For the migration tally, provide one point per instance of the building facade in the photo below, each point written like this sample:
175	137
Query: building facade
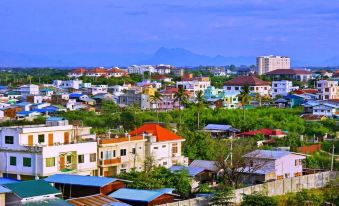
327	90
282	88
269	63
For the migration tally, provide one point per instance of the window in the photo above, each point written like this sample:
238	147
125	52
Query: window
236	88
175	148
9	140
50	162
123	152
27	162
133	151
164	163
123	170
81	158
163	146
12	161
41	138
69	159
93	157
108	155
155	147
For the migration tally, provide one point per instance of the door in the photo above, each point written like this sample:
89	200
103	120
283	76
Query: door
50	140
66	138
30	140
62	162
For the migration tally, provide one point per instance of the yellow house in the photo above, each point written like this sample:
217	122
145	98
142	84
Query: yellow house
149	90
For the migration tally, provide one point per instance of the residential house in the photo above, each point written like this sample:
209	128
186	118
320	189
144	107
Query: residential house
77	72
327	89
135	69
256	85
132	96
29	89
36	99
35	151
328	110
220	131
197	84
68	84
97	72
81	185
282	88
168	101
290	74
137	197
116	72
163	145
13	94
269	165
97	89
179	72
120	154
163	69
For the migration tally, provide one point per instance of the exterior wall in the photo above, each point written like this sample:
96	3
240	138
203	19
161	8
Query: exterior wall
269	63
287	167
282	88
327	89
194	86
322	110
262	90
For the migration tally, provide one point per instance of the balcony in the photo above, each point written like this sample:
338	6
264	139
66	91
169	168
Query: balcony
110	161
120	139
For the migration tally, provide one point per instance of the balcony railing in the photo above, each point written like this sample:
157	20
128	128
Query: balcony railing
120	139
110	161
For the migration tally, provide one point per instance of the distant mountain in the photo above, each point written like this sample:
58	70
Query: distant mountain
183	57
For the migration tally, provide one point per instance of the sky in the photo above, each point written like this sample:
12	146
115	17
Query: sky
305	30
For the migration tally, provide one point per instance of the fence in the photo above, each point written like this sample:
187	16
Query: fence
278	187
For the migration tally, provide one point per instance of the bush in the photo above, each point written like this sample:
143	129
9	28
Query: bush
258	199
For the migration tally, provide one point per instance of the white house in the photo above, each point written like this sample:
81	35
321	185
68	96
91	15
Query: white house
34	151
136	69
255	85
268	165
68	84
327	89
328	110
282	88
116	72
162	145
198	84
29	89
77	72
97	89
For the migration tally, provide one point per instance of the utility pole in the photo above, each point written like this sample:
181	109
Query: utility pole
332	159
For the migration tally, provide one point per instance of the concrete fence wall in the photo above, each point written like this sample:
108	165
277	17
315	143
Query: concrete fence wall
278	187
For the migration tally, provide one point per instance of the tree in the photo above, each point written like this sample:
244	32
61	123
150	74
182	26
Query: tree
200	103
180	96
245	98
258	199
155	99
222	197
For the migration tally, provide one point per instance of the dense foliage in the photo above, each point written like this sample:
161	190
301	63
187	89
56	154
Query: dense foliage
257	199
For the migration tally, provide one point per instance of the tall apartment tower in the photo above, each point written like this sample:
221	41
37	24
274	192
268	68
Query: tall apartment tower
269	63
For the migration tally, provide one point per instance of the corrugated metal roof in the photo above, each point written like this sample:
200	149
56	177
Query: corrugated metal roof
267	154
47	202
4	190
136	195
92	181
206	164
96	200
32	188
192	171
4	180
221	127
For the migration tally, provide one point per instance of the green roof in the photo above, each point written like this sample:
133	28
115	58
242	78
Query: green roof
32	188
59	106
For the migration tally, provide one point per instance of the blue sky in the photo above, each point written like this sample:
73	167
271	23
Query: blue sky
307	30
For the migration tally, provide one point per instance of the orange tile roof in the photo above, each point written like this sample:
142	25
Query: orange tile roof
161	133
79	70
115	70
97	70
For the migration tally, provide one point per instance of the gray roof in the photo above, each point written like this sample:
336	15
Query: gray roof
220	127
206	164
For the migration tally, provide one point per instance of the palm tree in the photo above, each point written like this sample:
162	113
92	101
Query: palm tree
245	98
200	102
180	96
154	99
29	78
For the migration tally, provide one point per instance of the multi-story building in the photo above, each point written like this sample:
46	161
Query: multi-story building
197	84
269	63
133	96
327	89
162	145
282	88
213	93
135	69
67	84
29	89
116	72
302	75
97	72
121	154
97	89
163	69
33	151
256	85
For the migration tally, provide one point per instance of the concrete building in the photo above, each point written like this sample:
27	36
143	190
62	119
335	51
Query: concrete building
97	89
327	89
256	85
77	72
97	72
269	63
68	84
135	69
197	84
282	88
116	72
162	145
121	154
133	96
34	151
290	74
29	89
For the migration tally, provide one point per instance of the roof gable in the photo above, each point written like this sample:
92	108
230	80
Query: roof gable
246	80
159	132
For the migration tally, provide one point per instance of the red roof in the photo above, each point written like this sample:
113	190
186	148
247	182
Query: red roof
288	72
98	70
116	70
246	80
310	91
161	133
265	132
79	70
160	77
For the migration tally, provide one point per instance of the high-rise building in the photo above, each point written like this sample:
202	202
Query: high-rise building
269	63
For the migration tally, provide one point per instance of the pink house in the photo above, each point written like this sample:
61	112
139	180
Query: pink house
268	165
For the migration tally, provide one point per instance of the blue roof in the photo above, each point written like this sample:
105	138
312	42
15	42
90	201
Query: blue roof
165	190
91	181
192	171
23	104
25	112
75	95
136	195
46	90
219	127
44	110
55	118
4	180
117	204
4	190
267	154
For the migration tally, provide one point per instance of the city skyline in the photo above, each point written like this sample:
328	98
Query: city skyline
125	32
